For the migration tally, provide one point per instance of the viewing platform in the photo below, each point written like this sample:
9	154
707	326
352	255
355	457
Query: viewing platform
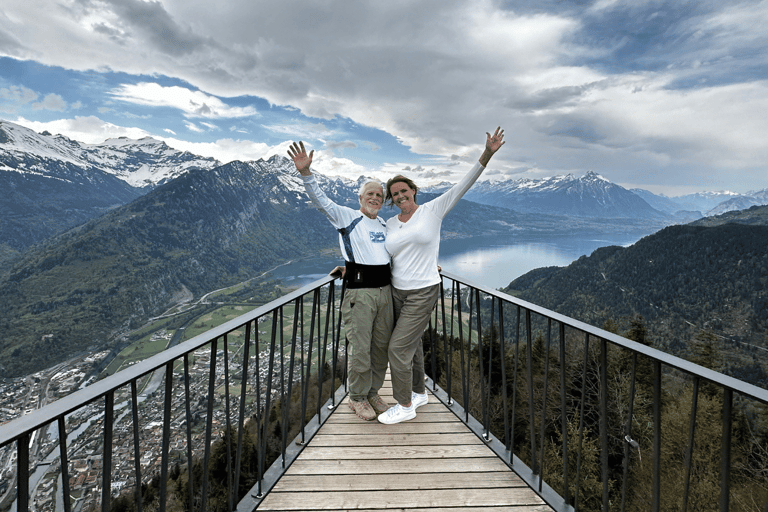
433	462
529	410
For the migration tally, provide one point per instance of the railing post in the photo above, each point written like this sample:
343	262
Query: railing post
64	463
446	352
656	491
136	447
106	460
581	418
166	442
503	355
22	473
483	394
563	416
544	402
514	387
241	417
464	383
689	451
604	419
227	422
209	423
725	454
531	412
628	431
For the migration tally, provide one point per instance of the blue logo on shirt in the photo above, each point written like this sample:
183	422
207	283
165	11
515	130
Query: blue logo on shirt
378	237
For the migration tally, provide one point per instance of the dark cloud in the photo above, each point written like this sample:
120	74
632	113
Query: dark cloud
703	41
543	99
346	144
574	127
153	20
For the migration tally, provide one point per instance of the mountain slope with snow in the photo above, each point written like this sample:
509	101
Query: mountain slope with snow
52	183
588	196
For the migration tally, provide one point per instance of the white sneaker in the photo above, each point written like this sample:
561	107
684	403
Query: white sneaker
397	413
417	400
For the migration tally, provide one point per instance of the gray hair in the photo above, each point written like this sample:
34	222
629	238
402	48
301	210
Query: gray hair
368	182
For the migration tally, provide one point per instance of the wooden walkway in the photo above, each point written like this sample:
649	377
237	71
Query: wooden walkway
432	463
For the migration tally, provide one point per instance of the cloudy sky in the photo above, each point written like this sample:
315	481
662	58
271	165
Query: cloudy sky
670	96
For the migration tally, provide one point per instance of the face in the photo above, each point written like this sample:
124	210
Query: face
402	195
372	199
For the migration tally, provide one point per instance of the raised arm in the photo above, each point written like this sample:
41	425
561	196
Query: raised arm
301	160
445	202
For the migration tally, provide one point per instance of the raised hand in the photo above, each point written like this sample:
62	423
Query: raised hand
301	160
492	144
495	141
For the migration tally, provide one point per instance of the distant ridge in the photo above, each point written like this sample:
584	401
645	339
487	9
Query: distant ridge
709	275
588	196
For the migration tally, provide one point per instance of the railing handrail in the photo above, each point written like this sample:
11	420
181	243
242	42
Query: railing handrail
668	359
23	425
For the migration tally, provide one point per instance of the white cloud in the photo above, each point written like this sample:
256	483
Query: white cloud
15	96
191	103
51	102
193	127
90	129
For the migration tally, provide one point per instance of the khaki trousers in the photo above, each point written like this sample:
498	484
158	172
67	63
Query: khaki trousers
406	352
368	319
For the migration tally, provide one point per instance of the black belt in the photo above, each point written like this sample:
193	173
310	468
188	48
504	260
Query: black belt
366	276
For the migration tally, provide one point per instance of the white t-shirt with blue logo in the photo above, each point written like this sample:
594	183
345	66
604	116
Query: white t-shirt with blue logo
361	239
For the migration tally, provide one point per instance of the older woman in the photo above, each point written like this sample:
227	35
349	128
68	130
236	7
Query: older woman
413	242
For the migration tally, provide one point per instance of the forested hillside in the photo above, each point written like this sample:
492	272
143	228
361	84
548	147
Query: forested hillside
200	232
683	280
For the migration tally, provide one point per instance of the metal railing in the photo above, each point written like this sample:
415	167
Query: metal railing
299	371
571	408
544	386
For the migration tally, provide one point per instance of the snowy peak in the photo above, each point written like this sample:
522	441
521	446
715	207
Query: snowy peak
143	163
590	195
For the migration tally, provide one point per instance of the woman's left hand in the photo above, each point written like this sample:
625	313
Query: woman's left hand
492	144
495	141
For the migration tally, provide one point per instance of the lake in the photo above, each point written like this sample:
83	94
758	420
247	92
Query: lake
489	261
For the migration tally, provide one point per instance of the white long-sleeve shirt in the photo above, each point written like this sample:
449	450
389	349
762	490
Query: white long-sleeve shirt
415	245
361	239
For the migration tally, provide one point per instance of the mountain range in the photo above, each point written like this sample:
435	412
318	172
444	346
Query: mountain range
97	239
594	196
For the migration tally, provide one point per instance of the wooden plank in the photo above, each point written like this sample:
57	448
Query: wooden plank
388	439
396	499
305	483
377	453
434	417
393	466
399	428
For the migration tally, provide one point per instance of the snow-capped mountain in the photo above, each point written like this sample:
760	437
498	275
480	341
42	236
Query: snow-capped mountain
140	163
744	202
704	201
705	204
52	183
588	196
